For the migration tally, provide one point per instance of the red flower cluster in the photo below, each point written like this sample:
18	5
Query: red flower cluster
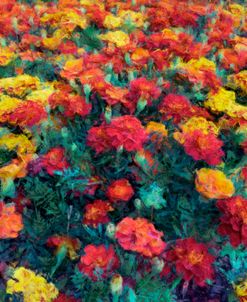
120	190
234	219
139	235
203	146
192	260
27	114
178	108
72	104
97	212
54	160
143	89
124	131
98	261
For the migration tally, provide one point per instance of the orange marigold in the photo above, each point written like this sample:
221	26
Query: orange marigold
10	221
213	184
139	235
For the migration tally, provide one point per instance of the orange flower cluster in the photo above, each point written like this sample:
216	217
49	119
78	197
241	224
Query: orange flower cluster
139	235
10	221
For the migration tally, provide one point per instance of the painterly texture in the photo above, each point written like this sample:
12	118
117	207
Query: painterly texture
123	142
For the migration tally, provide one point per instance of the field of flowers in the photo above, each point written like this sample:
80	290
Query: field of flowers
123	151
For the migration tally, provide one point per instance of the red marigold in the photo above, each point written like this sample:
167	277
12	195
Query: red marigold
98	261
142	88
55	160
10	221
203	146
97	212
192	260
120	190
72	104
28	114
64	298
176	107
139	235
234	219
124	131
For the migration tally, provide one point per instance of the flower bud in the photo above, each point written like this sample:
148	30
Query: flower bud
110	230
138	203
116	285
158	264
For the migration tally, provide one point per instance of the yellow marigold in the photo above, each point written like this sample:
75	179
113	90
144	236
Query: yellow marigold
224	101
213	184
41	95
92	2
118	37
194	65
6	56
196	123
238	11
17	141
156	127
112	22
241	290
53	42
71	19
135	17
7	105
169	34
19	85
34	287
239	80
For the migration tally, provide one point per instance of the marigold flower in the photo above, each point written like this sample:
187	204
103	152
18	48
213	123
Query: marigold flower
72	104
234	219
125	131
10	221
71	244
202	146
222	101
19	85
239	80
28	114
213	184
201	71
18	142
112	22
55	160
192	260
144	89
139	235
6	56
158	128
241	290
96	213
118	37
120	190
98	262
72	69
33	287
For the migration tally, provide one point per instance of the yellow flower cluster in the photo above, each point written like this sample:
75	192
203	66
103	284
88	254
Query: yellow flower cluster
34	287
118	37
112	22
241	290
225	101
193	66
19	85
6	56
18	142
239	80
